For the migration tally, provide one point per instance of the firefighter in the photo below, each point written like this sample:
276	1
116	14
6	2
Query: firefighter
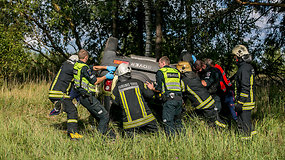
225	90
210	79
198	95
130	95
84	82
244	90
168	85
59	94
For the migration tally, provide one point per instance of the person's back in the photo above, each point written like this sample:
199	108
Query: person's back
194	85
198	95
62	81
130	94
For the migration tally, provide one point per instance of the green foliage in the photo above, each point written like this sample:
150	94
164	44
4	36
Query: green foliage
27	132
12	51
54	29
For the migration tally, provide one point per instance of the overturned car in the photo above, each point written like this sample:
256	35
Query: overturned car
143	69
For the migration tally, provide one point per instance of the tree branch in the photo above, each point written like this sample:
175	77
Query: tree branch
71	24
260	4
58	49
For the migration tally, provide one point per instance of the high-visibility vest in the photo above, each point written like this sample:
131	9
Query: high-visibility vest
79	80
224	80
171	80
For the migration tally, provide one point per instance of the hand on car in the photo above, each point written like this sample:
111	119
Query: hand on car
149	85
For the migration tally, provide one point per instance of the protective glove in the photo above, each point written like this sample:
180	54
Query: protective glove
238	107
111	68
109	75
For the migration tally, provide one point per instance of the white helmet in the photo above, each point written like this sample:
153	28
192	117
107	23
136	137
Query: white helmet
72	59
240	50
123	68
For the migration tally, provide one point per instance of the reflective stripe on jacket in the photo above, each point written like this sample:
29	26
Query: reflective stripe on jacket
245	86
196	93
130	95
171	80
62	82
79	80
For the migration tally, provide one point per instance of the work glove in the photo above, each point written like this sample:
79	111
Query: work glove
111	68
109	75
238	107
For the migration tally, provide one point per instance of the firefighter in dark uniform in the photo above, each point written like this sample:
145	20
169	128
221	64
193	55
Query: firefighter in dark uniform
210	79
59	94
168	85
225	91
130	94
200	98
85	82
244	91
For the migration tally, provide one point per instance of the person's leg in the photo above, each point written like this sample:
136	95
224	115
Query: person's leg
229	101
246	125
72	116
97	110
151	126
213	118
218	103
168	113
178	116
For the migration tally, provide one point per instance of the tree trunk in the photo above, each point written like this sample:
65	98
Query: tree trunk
147	28
189	26
140	15
115	18
158	24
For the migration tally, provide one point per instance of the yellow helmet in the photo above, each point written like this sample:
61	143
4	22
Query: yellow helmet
183	67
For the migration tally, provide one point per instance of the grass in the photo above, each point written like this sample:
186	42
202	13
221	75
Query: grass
28	132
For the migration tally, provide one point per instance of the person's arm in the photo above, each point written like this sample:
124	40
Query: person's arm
147	93
109	68
115	96
245	85
159	80
100	79
96	68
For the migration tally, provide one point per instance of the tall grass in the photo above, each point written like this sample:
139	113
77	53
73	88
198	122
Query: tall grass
28	132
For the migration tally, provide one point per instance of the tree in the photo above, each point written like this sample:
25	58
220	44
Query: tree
147	28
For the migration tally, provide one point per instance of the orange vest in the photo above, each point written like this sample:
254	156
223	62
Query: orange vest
224	80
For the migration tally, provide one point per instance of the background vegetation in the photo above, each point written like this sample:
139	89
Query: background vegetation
37	36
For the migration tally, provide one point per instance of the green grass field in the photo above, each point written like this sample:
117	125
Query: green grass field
28	132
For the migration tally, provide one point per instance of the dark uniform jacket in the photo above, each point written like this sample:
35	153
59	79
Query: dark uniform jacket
212	78
62	82
130	96
245	86
194	90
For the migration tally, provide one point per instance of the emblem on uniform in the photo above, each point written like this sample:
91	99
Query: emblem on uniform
89	71
208	74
